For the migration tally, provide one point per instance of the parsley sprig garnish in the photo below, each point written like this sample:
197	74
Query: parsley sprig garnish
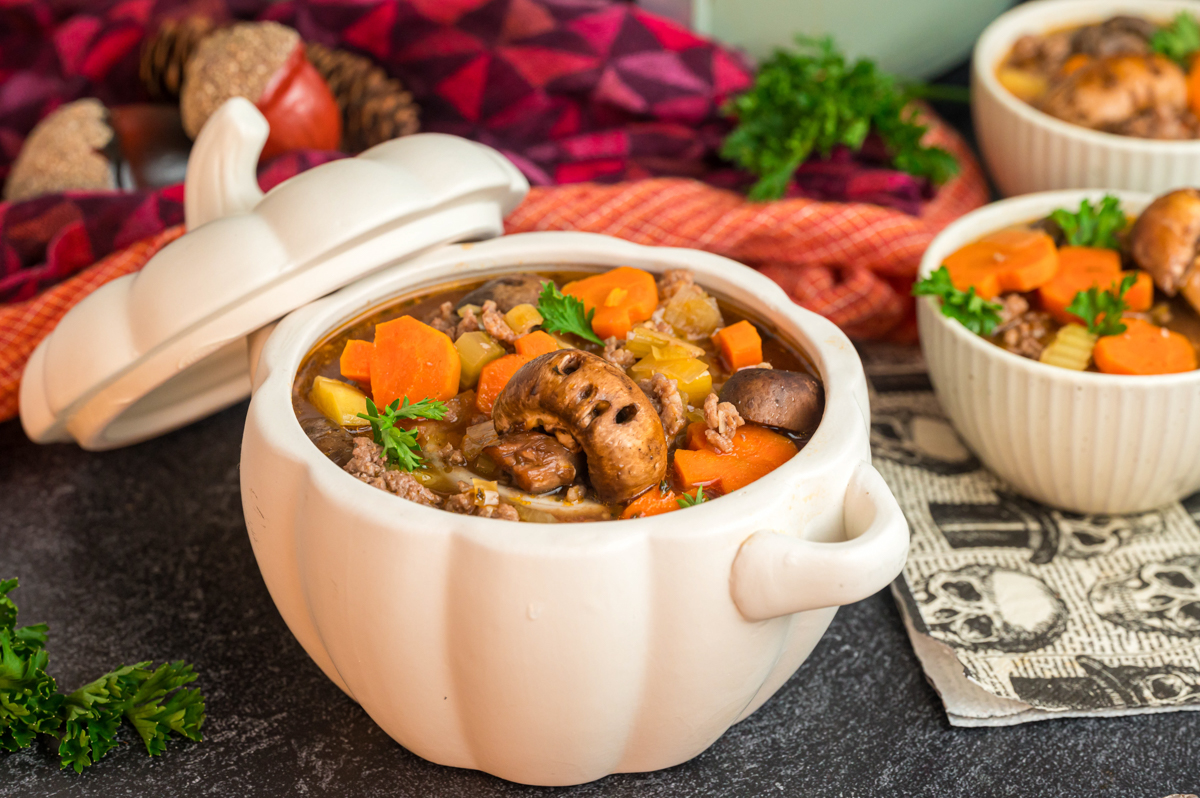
1092	226
152	700
1178	41
400	445
688	500
565	314
810	101
974	312
1101	310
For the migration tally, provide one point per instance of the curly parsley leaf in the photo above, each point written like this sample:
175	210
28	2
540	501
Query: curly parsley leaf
565	314
689	500
1101	310
973	311
1178	41
1092	226
87	721
813	100
400	445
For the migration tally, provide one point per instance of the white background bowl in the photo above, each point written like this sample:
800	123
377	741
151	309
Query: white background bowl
556	654
1027	150
1082	441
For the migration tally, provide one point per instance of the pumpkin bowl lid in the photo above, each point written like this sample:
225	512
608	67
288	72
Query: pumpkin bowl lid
153	351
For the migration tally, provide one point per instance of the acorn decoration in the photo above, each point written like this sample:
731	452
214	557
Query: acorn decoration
375	108
85	146
265	62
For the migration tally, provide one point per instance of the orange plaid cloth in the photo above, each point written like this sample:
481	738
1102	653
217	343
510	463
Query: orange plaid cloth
849	262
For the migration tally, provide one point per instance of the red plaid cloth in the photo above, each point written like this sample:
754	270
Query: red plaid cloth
849	262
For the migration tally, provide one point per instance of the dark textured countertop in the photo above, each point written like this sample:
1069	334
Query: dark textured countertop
142	554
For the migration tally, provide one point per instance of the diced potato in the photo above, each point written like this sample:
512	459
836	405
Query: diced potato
641	340
1026	85
523	318
339	402
693	314
475	350
692	377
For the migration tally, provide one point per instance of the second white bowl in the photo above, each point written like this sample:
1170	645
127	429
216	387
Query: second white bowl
1082	441
1027	150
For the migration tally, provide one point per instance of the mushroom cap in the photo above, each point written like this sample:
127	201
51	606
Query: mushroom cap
775	398
1163	239
507	291
586	397
1111	91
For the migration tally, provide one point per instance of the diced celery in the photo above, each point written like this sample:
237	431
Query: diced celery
693	314
462	312
641	339
523	318
339	402
692	377
475	350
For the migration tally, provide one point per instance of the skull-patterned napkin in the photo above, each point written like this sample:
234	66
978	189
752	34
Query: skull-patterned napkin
1018	611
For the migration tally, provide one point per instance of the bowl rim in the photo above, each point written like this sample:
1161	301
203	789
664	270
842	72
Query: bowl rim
831	351
1005	29
1013	210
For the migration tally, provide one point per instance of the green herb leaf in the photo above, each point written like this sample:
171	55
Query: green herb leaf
400	445
29	698
565	314
689	500
1102	310
1092	226
809	102
973	311
1178	41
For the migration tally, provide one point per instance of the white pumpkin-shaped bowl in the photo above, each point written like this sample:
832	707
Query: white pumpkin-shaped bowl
546	654
557	654
1027	150
1082	441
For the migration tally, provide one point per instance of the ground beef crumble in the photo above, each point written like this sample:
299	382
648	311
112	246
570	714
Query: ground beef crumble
496	326
673	281
1021	330
463	503
723	420
367	465
663	393
616	353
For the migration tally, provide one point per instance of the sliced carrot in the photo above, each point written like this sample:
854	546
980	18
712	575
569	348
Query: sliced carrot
740	345
1193	86
1141	296
1079	268
1007	260
494	377
1144	349
621	298
536	343
756	451
655	501
1075	62
355	362
413	360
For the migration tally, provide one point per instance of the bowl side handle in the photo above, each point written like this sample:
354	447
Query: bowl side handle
775	575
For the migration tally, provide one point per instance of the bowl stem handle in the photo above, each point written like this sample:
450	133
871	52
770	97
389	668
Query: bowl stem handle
221	171
775	575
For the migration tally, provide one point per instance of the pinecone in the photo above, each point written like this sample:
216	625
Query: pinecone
375	108
165	53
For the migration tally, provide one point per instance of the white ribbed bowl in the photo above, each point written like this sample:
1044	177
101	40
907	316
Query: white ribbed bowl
1027	150
1087	442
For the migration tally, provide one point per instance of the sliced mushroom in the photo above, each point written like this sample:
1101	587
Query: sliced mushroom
538	462
584	400
1113	92
1164	240
776	398
507	292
